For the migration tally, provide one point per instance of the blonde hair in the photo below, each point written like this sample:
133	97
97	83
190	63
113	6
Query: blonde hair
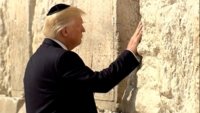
55	22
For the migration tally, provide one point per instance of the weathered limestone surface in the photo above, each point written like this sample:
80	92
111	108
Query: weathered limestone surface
168	80
128	16
14	46
10	104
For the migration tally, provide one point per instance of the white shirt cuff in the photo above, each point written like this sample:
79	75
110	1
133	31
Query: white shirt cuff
137	57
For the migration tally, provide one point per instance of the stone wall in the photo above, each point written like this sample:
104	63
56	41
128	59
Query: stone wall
168	78
14	53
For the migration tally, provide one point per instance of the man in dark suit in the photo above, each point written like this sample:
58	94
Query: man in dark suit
57	80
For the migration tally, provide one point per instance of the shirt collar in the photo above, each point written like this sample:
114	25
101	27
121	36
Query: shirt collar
59	43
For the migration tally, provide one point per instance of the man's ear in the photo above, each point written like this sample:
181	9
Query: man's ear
64	31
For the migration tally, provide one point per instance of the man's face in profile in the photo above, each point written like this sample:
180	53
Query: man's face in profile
75	31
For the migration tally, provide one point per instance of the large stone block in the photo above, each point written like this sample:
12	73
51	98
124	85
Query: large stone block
15	49
169	76
10	105
4	75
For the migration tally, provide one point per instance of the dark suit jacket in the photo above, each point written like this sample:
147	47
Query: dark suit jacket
58	81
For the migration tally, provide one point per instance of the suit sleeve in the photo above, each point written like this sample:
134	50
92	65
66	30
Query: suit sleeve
72	69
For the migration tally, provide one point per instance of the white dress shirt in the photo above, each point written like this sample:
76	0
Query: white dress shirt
59	43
